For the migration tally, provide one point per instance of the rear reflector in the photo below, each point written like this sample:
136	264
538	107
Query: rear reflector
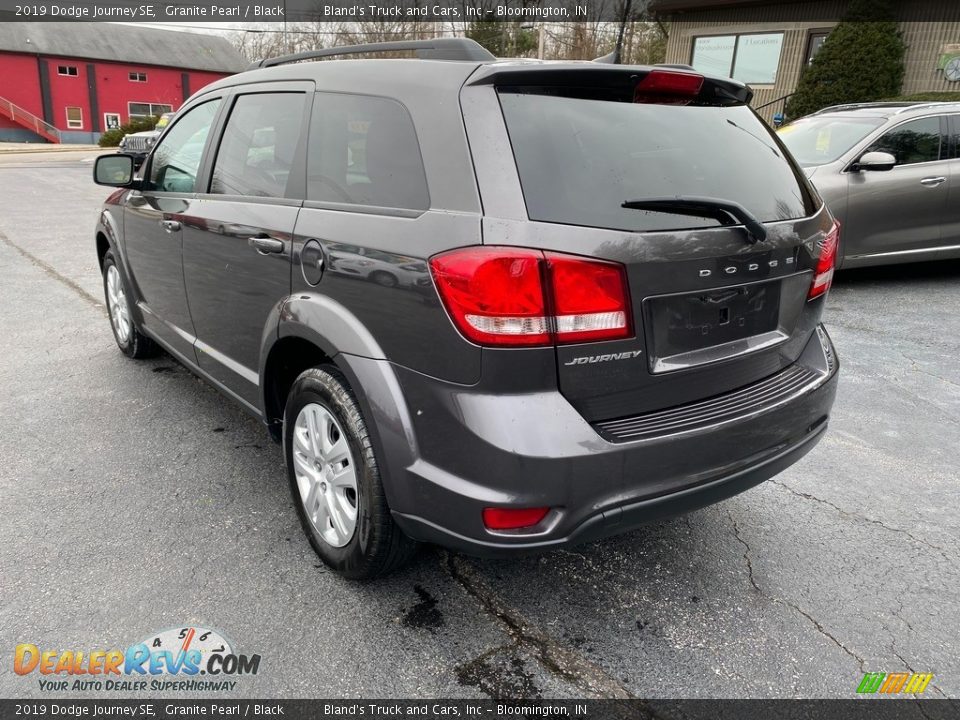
667	86
506	296
512	518
823	273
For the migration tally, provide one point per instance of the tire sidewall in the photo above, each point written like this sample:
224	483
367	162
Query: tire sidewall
127	347
325	390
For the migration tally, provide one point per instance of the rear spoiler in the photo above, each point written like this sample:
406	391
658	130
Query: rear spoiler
714	91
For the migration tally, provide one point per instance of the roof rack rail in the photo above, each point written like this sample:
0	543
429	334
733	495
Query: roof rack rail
859	105
928	104
463	49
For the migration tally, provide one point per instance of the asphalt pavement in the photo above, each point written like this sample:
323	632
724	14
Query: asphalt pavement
136	498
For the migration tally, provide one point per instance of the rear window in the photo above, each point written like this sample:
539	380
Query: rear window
580	158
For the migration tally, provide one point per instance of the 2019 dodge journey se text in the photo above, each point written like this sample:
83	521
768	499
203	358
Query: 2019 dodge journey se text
500	306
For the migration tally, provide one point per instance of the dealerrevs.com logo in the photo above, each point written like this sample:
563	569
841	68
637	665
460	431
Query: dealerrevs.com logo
198	658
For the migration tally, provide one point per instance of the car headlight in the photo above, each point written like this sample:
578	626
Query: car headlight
150	141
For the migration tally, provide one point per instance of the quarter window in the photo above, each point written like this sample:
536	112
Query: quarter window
364	151
175	161
752	58
912	142
259	145
75	118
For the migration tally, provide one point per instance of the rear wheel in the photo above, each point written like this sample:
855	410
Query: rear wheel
335	481
129	339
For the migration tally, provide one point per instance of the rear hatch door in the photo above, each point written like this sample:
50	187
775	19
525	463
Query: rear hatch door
610	171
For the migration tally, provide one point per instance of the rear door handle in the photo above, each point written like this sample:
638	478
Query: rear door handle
932	181
170	226
266	245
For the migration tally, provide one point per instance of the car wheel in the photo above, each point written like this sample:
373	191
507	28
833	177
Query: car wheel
384	278
129	339
335	481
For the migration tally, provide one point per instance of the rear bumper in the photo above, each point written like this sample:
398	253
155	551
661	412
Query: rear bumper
449	451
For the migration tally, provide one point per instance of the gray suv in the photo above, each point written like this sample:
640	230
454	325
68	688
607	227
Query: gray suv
890	173
604	303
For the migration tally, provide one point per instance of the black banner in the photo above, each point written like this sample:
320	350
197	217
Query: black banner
523	11
856	709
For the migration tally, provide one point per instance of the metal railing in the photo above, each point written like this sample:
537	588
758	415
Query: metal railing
27	119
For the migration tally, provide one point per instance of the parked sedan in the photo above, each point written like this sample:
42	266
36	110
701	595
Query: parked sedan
890	173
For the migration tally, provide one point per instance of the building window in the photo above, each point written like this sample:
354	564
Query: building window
74	118
70	70
814	43
138	77
752	58
111	121
139	111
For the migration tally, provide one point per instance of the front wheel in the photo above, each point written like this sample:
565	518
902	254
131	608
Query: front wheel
335	481
131	341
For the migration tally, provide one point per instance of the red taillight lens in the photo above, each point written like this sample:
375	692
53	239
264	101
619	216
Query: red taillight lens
823	273
512	518
589	299
501	296
666	86
494	296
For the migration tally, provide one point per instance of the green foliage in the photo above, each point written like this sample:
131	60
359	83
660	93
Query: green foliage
112	138
503	38
860	61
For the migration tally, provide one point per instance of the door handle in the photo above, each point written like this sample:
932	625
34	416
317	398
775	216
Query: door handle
170	226
932	181
266	245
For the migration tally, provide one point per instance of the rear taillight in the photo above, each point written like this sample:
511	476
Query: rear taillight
519	297
512	518
823	272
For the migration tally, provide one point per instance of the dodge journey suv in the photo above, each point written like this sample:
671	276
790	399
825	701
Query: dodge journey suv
498	306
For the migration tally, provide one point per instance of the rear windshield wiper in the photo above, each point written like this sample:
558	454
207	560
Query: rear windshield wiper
726	212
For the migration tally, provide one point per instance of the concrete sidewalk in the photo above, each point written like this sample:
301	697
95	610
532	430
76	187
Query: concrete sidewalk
10	147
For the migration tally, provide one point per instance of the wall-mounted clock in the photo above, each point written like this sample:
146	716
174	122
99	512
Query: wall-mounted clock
952	69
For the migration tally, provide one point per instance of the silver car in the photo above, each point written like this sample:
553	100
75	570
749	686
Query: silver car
890	173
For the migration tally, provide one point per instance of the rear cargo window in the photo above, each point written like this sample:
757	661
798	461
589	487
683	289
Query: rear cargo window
580	158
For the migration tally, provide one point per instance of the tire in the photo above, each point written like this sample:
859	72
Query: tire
129	339
317	462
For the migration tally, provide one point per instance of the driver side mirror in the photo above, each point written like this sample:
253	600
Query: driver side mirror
876	161
114	170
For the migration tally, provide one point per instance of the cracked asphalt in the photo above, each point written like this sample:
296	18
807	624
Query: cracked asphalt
137	499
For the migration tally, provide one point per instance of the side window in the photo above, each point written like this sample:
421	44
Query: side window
364	151
258	146
916	141
176	159
955	135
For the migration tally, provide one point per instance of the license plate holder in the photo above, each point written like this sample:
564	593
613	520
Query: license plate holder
695	328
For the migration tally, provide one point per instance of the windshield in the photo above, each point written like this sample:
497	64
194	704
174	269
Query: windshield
581	158
164	120
820	140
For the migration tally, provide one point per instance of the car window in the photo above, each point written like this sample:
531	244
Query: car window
955	135
821	140
580	158
912	142
259	144
364	151
176	160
